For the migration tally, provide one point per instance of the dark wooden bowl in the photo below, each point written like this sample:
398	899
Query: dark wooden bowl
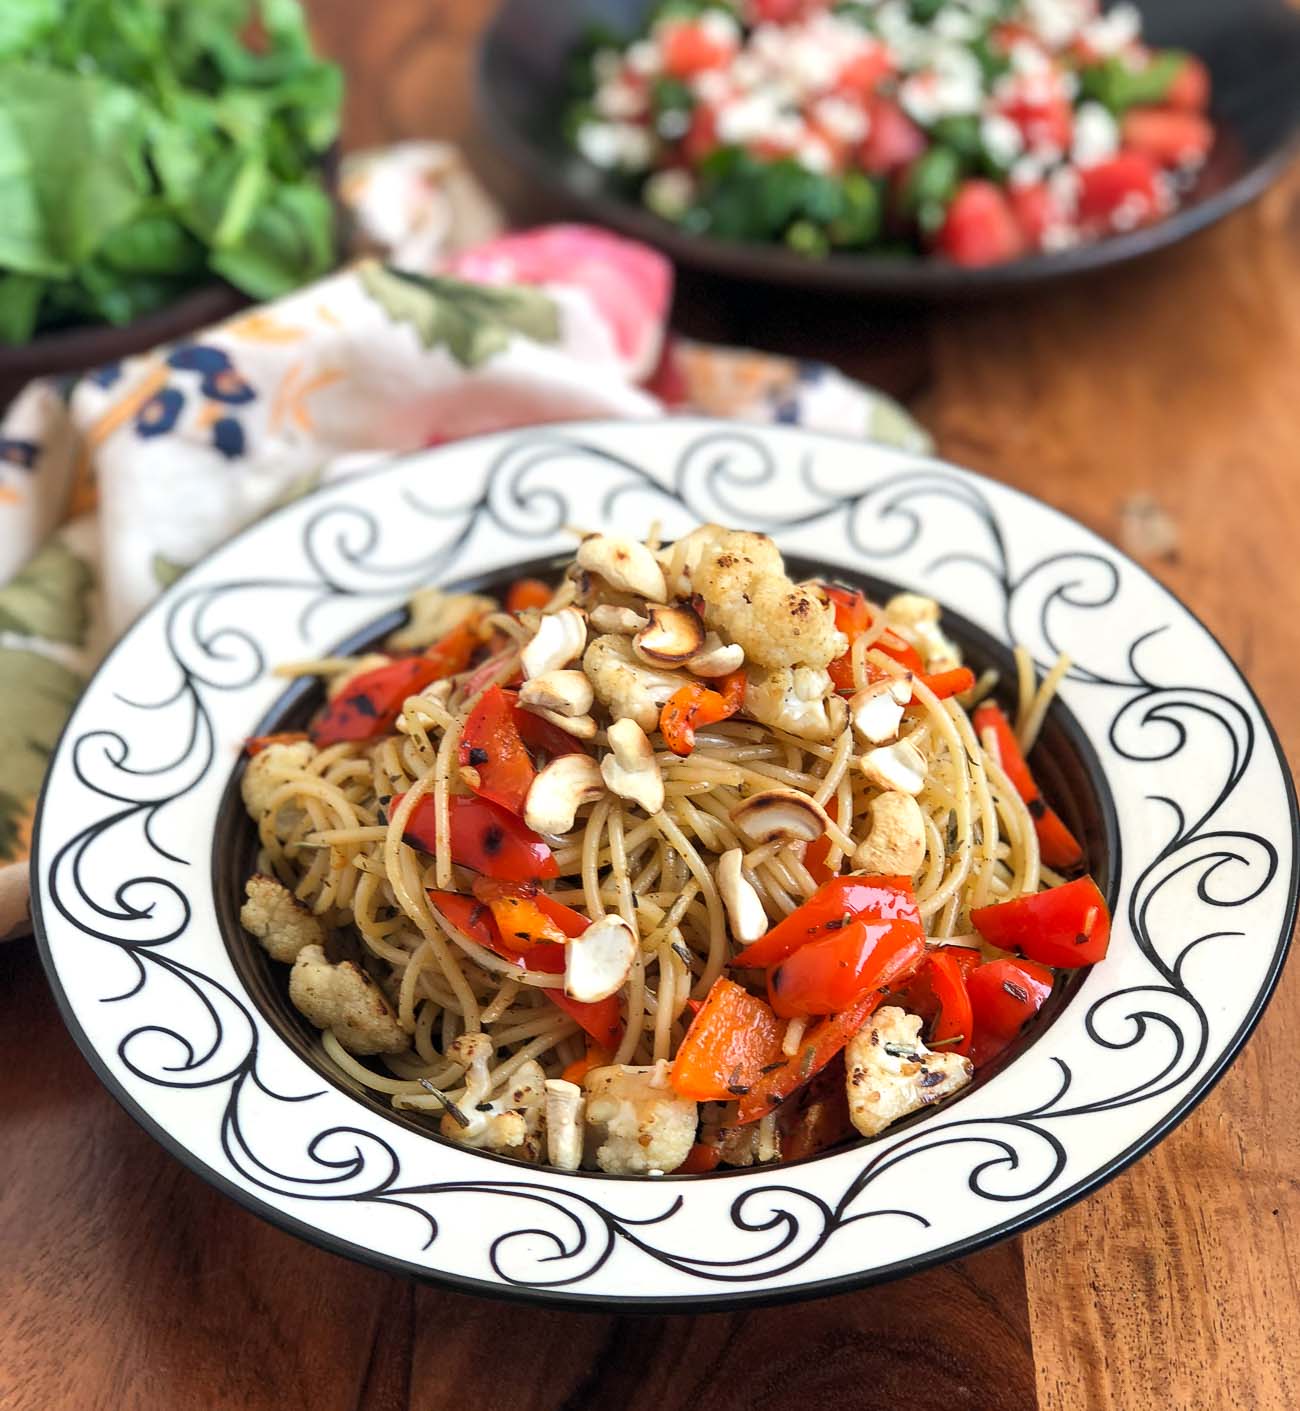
1251	46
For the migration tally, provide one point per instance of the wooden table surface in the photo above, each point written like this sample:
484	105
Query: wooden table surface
1160	405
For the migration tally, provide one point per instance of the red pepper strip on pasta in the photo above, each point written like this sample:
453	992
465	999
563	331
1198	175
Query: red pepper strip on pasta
831	975
526	593
814	859
832	906
938	993
1006	994
602	1020
853	618
493	758
949	683
514	907
694	706
1067	926
821	1042
370	703
484	837
1059	847
730	1041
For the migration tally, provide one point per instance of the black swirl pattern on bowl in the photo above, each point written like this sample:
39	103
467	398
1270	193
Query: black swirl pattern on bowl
552	1236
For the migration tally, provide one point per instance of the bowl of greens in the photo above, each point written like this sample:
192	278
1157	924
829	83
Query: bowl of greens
161	163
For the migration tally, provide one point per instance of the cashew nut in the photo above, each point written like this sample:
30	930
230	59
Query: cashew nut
564	692
877	710
780	814
559	639
898	766
560	790
744	909
624	564
672	636
631	770
895	846
716	657
597	962
610	617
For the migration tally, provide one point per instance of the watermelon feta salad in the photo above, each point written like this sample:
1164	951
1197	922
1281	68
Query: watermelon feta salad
975	130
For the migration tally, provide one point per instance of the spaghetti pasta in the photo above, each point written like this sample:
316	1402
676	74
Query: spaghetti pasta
394	842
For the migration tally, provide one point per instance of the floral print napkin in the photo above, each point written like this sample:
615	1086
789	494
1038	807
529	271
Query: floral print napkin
112	485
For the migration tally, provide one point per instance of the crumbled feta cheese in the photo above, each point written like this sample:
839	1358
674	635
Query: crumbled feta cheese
712	86
719	27
617	100
1056	22
1096	135
1064	187
669	193
1027	170
951	87
1114	31
645	58
747	119
842	119
1029	59
1001	138
615	144
955	24
813	154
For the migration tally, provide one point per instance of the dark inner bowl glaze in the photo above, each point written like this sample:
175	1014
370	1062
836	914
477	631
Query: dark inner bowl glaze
1064	763
1252	48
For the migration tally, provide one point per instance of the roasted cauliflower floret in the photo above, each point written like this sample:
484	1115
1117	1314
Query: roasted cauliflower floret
345	1000
916	620
278	919
636	1123
631	689
510	1123
268	769
891	1072
802	702
749	599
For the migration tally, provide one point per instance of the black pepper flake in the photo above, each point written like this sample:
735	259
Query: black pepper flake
523	935
771	1067
1037	809
478	755
930	1077
482	1107
1017	993
738	1089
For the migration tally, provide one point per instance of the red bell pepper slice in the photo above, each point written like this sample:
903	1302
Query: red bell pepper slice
694	706
602	1020
1059	847
522	923
825	913
452	653
1066	927
699	1160
732	1038
540	735
949	683
821	1042
368	706
493	758
814	858
483	837
1005	994
830	975
525	593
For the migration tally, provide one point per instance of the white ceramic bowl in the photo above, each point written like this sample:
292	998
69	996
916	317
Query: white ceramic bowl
155	983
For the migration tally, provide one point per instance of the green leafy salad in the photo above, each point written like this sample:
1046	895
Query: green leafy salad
147	146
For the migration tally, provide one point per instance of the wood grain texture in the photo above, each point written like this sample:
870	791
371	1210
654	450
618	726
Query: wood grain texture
1161	396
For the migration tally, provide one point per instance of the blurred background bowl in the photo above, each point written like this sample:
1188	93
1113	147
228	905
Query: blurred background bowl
1252	48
